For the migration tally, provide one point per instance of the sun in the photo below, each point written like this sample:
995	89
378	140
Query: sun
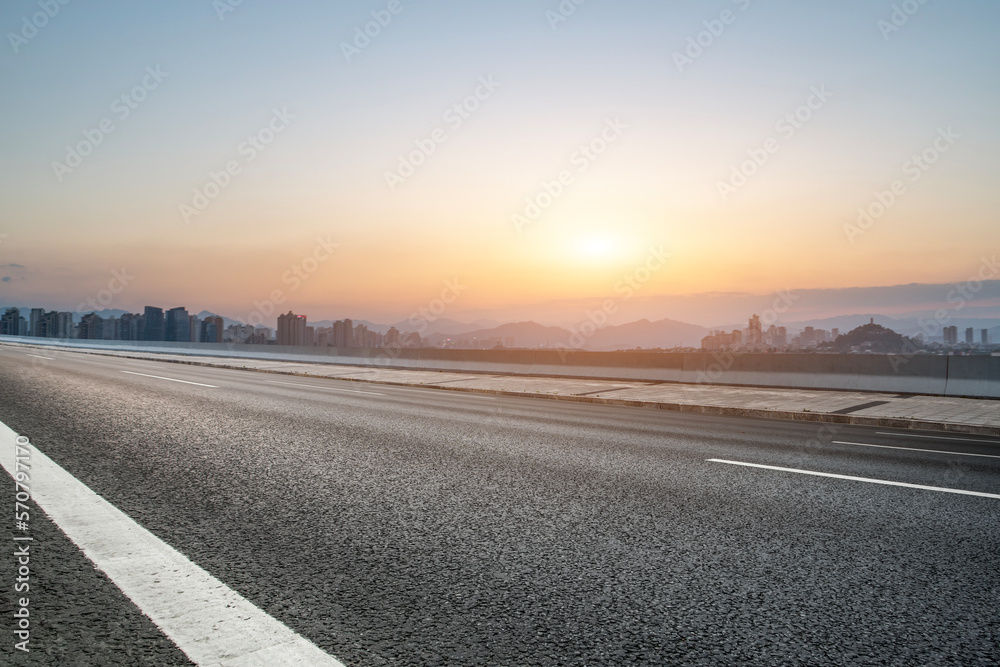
597	248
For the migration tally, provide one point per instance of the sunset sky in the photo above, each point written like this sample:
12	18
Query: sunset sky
667	121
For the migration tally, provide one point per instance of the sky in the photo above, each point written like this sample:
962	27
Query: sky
491	158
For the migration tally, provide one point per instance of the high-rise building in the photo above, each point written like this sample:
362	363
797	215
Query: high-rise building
45	324
361	336
951	335
720	340
970	336
10	323
54	325
343	333
776	336
65	326
130	327
91	327
324	337
35	321
808	336
153	328
194	329
392	337
291	329
984	335
110	328
754	335
211	329
178	327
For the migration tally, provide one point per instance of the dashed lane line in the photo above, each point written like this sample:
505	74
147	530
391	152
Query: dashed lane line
314	386
858	479
160	377
914	449
936	437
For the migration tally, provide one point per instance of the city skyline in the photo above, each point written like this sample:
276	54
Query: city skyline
763	333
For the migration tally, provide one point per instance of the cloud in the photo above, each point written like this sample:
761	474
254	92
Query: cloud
5	279
13	266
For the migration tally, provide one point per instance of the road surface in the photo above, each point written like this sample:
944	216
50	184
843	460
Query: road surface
408	526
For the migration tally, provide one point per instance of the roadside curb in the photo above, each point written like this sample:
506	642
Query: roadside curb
786	415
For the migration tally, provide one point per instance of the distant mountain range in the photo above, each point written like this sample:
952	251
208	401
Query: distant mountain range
643	333
797	307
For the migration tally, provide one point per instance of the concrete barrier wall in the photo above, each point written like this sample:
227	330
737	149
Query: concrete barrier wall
973	376
920	374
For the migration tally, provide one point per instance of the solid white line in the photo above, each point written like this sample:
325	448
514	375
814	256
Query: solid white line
213	624
313	386
913	449
160	377
858	479
38	356
937	437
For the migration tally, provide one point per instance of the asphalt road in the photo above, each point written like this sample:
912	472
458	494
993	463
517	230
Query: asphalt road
405	526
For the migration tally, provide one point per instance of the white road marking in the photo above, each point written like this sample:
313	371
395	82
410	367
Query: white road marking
858	479
914	449
313	386
213	624
160	377
936	437
38	356
424	389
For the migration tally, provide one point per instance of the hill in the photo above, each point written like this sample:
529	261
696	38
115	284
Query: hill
873	338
